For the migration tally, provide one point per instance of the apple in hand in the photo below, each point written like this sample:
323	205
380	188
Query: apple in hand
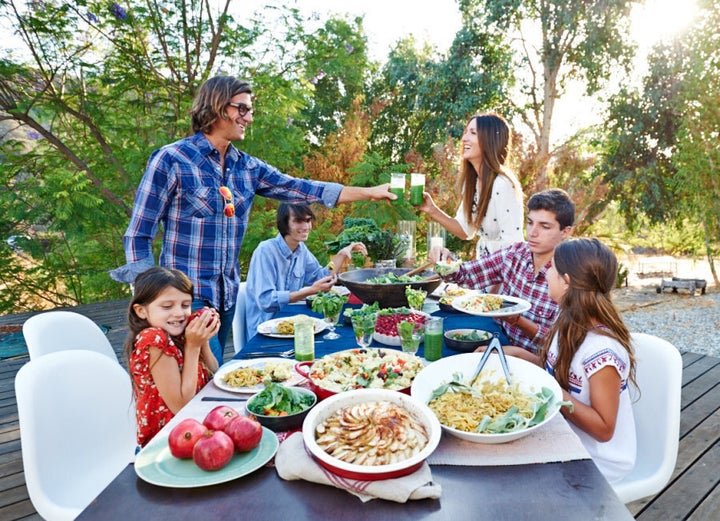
214	450
219	417
184	436
245	432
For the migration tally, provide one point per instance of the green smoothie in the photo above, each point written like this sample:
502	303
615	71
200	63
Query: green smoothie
304	357
400	192
433	346
416	195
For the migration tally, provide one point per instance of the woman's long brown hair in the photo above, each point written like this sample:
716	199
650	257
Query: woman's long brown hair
493	134
587	305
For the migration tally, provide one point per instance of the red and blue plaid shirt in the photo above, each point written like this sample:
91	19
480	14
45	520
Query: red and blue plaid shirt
180	190
513	269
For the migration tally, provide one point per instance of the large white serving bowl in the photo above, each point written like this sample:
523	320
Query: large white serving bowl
530	377
327	407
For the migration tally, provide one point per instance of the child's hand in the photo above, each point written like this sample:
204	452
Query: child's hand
202	326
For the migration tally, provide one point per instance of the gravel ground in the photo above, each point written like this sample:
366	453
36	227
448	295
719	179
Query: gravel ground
690	323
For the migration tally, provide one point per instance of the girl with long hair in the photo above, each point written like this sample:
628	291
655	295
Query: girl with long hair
491	207
168	354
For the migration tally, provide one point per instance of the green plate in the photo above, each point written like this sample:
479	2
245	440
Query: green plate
156	465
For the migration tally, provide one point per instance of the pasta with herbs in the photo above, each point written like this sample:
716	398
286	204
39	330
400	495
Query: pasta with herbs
252	376
465	411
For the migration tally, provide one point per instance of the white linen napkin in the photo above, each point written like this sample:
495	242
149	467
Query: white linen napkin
292	461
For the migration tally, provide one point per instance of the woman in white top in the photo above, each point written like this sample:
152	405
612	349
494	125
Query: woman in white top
492	202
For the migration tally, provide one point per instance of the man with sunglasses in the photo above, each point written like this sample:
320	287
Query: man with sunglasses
283	270
201	190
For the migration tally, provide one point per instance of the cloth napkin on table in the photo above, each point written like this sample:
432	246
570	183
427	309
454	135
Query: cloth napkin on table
292	461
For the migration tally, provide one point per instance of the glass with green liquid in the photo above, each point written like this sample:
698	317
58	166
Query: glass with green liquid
417	187
304	339
433	339
397	185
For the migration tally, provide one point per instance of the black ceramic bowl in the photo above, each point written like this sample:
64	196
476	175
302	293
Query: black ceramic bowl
387	295
466	346
283	423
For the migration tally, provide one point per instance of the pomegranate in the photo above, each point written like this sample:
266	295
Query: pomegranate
184	436
219	417
245	433
199	312
213	451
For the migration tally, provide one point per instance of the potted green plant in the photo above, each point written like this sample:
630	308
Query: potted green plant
381	244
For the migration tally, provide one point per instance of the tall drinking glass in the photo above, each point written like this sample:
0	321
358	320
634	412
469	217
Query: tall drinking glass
433	339
397	185
417	187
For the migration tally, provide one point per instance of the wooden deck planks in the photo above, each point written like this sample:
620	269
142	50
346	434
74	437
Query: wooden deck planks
692	493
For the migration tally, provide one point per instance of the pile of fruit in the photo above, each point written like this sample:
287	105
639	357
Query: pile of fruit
212	443
388	319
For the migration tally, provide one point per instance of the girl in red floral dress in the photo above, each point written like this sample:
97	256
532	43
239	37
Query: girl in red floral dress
168	352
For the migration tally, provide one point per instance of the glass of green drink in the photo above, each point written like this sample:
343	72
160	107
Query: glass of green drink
417	187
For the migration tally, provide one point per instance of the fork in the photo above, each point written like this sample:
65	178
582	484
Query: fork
290	353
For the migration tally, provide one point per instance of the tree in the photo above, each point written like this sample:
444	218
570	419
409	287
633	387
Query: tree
94	89
556	42
697	158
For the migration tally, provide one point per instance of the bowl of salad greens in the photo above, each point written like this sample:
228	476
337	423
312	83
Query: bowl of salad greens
281	408
387	286
466	340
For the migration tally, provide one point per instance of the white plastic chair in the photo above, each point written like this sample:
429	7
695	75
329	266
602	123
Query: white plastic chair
657	417
60	330
238	326
77	428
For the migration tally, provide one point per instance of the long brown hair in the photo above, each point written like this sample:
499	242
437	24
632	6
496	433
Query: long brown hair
212	98
147	287
586	306
493	134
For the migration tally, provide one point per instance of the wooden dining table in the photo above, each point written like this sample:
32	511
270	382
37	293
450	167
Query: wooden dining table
568	490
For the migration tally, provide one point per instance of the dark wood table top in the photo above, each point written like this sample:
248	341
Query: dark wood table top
552	491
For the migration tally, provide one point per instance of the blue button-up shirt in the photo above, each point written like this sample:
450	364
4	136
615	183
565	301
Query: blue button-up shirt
274	273
180	190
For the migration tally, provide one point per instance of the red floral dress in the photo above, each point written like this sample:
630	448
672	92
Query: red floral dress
150	409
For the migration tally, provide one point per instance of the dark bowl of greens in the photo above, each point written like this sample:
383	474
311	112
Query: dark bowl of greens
466	340
281	408
386	286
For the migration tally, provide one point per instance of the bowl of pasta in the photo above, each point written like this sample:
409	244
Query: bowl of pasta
371	434
488	410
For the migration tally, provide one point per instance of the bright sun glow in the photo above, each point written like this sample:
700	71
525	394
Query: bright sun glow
658	20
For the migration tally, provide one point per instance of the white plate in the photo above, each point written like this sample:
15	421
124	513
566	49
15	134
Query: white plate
269	327
394	340
257	363
156	465
521	306
530	377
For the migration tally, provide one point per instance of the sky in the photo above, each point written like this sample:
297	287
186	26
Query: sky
437	21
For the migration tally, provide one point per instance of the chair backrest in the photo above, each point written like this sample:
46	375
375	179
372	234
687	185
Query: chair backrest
77	428
239	321
60	330
657	417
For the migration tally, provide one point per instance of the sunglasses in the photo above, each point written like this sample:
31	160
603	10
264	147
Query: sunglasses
229	209
243	110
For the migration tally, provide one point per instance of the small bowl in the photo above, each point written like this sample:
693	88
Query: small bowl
466	346
283	423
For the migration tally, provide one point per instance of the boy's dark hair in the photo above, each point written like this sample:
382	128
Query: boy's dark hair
556	201
286	210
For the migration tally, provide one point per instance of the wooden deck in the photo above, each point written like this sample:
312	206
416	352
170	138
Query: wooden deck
692	494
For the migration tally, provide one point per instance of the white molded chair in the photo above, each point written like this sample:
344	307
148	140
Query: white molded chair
657	417
60	330
77	428
238	326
